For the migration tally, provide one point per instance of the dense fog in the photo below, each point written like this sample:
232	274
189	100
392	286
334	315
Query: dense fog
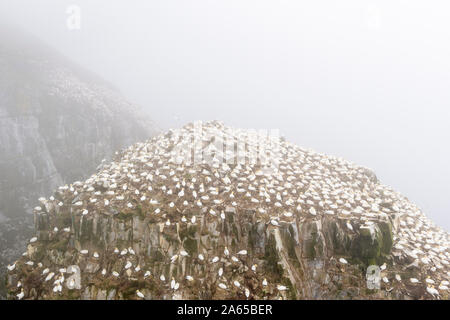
365	80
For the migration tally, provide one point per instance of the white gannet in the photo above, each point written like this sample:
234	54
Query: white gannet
140	294
222	286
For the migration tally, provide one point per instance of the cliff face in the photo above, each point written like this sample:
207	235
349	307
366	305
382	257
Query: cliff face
153	224
57	123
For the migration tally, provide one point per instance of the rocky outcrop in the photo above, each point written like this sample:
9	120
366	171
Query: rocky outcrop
153	224
57	123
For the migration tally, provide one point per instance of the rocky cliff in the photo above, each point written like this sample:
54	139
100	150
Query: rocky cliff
219	213
57	123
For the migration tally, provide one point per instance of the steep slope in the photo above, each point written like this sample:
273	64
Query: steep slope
168	219
57	123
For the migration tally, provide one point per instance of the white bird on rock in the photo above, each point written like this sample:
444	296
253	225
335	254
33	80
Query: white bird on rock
21	295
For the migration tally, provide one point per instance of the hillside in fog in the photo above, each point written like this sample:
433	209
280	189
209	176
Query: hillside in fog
57	122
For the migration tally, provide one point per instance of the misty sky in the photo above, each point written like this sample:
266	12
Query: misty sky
365	80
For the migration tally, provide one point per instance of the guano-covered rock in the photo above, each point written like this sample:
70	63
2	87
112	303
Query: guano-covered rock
212	212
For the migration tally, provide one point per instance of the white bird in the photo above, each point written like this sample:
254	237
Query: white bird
84	251
226	252
236	283
220	272
11	267
32	240
50	276
264	283
247	292
343	261
115	274
413	280
281	287
147	274
184	253
189	278
242	252
57	288
20	295
215	259
201	257
128	265
140	294
432	291
222	286
162	278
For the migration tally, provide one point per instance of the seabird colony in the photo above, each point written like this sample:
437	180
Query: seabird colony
199	180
